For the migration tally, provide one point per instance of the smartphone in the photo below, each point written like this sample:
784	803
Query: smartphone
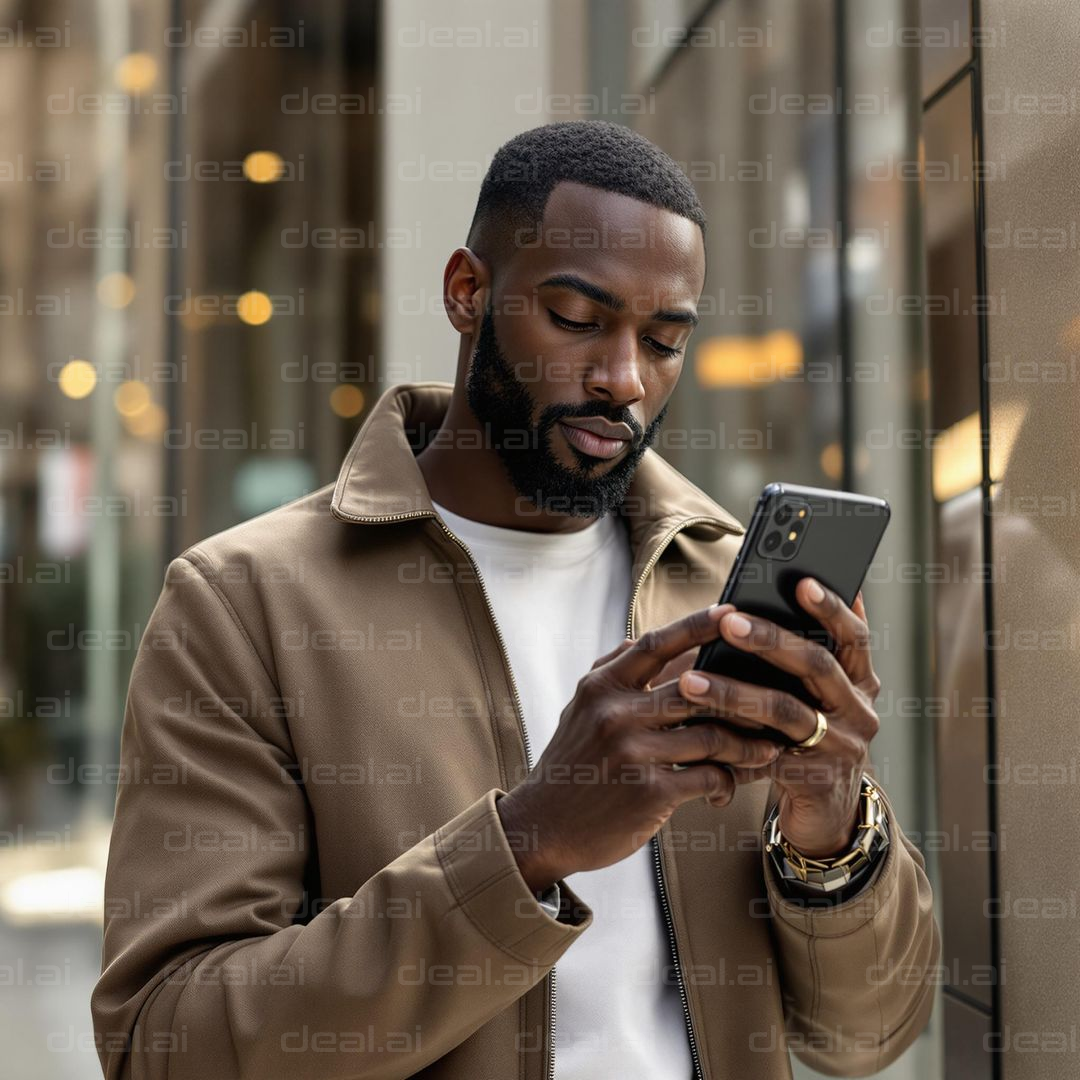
795	532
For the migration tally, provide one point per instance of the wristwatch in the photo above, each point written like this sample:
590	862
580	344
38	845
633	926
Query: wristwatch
831	881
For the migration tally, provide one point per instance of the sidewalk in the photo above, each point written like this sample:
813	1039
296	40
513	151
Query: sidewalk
50	945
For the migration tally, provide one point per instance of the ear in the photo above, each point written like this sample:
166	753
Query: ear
466	288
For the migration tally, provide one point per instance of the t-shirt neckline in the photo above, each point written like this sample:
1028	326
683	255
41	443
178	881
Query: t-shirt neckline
594	537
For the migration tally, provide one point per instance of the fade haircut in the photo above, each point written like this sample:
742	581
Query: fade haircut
597	153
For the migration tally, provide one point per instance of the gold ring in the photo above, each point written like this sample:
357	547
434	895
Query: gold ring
813	740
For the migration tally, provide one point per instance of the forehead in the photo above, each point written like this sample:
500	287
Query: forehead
628	246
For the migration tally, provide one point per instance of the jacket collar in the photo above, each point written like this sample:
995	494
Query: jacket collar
380	480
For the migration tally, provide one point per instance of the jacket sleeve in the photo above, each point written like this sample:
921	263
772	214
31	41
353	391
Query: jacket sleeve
206	969
858	978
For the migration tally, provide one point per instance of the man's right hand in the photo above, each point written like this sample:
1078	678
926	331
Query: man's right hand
605	783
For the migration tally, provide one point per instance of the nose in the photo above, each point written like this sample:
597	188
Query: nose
616	373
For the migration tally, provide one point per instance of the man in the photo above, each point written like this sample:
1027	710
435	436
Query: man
415	741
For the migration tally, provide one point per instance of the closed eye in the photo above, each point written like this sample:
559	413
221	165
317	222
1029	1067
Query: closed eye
578	327
662	349
568	324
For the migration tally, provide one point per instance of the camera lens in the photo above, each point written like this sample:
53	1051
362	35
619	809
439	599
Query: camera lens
783	515
797	527
771	541
788	549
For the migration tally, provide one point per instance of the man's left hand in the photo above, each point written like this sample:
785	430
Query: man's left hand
819	787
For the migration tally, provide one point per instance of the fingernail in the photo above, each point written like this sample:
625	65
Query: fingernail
715	610
695	684
738	625
817	593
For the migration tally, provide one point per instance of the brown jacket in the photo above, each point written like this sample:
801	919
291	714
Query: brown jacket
308	876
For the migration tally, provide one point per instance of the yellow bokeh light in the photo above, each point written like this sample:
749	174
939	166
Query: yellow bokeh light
148	423
131	397
957	458
749	361
783	352
831	462
116	290
263	167
346	400
77	378
254	308
136	73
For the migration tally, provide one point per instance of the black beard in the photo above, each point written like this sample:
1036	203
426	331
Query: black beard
505	409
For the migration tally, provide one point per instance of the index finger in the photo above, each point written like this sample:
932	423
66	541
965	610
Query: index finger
847	625
652	651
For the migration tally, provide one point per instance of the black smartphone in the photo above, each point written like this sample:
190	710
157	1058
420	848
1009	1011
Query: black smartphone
795	532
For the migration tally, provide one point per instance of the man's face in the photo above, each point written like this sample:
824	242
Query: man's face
586	325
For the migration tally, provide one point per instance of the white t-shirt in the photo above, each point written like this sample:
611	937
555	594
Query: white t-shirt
560	600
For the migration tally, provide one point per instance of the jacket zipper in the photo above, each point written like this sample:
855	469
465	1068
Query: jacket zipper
653	559
665	906
549	1072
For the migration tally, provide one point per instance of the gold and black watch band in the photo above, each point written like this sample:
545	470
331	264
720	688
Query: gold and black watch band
834	879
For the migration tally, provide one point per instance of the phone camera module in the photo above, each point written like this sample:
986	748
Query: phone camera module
786	528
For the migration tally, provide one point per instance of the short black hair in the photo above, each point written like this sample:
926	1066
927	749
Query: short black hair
597	153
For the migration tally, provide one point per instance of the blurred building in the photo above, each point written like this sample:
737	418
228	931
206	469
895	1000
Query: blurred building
225	224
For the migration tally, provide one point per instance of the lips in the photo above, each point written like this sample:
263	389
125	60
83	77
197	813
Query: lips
594	445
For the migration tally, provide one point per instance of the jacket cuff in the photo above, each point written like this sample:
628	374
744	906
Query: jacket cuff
487	884
834	920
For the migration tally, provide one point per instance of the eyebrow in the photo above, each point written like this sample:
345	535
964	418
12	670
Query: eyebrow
614	303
